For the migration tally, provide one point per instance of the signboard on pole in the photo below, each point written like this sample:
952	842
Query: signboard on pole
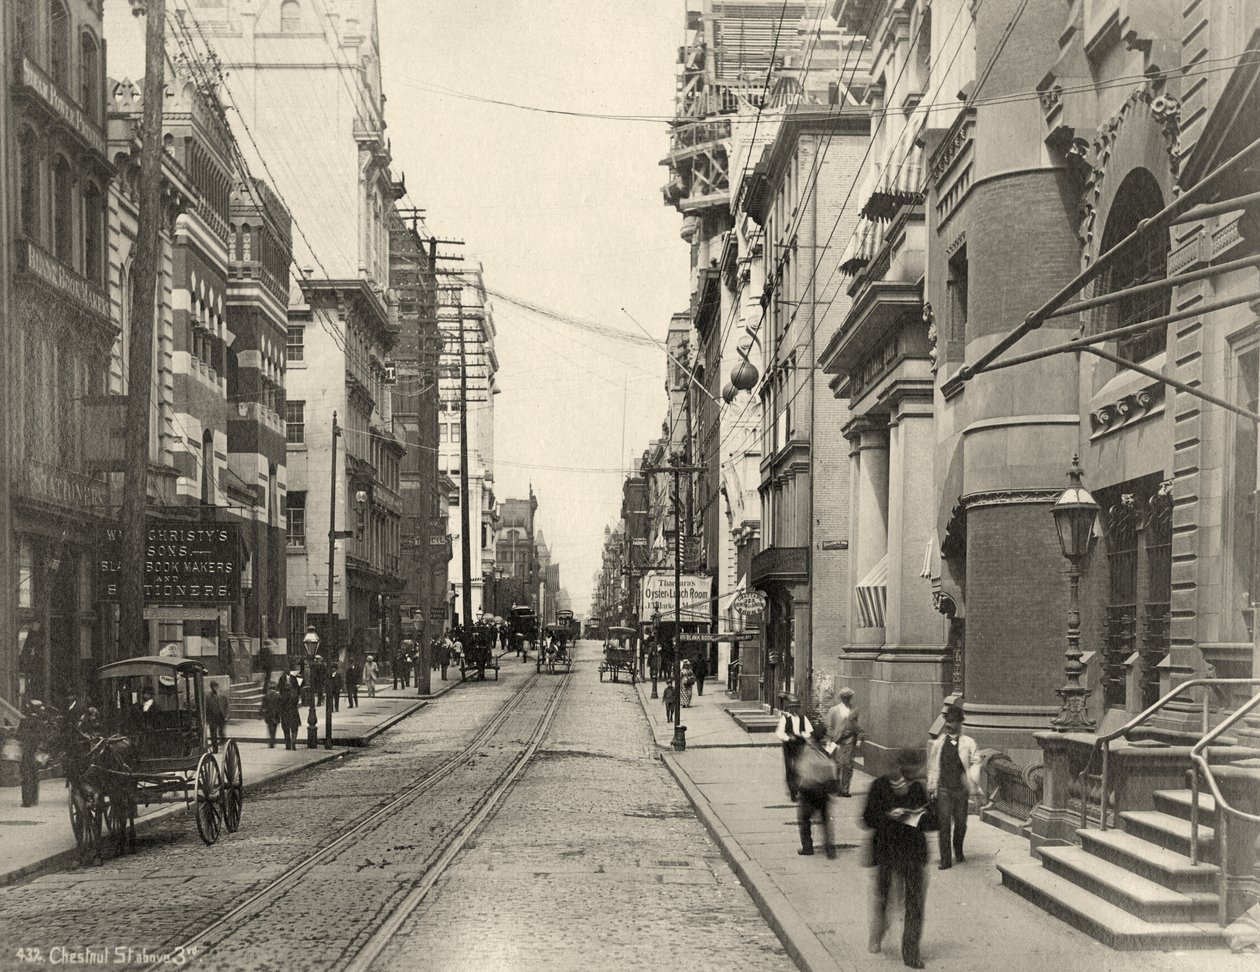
657	596
710	637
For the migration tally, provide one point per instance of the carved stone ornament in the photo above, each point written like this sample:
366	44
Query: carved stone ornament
944	603
1126	411
929	318
1165	111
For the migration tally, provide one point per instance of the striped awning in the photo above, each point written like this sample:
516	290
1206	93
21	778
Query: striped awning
900	181
872	595
865	243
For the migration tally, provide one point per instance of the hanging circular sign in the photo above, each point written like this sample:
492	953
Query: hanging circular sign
749	602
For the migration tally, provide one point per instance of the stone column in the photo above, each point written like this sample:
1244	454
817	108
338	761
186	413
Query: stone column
870	515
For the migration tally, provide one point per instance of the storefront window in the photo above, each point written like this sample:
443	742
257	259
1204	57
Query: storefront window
26	575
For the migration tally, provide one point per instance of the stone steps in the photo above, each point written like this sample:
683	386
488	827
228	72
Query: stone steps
754	720
1100	919
1132	888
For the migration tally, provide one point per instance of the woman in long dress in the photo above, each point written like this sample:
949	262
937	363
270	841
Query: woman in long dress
688	683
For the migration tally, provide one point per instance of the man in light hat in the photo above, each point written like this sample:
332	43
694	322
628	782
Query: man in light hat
844	729
953	772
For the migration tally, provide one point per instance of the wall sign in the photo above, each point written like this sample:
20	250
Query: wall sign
184	563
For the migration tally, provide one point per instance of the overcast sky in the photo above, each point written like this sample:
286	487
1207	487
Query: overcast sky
564	212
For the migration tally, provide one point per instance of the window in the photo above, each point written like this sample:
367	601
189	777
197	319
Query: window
1146	260
295	519
94	234
957	285
28	163
89	76
59	43
290	16
63	211
295	349
454	432
295	422
1241	496
442	431
26	37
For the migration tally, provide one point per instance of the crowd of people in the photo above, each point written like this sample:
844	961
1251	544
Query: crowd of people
917	797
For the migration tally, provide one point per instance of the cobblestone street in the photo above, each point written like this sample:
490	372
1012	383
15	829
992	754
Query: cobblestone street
593	858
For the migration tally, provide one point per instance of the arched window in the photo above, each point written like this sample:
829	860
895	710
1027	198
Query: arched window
1137	198
290	16
94	234
28	176
89	76
63	211
59	43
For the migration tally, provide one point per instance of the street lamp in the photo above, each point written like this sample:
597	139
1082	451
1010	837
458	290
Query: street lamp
1075	513
310	642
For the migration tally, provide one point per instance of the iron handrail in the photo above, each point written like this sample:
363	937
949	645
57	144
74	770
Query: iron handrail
1224	809
1104	741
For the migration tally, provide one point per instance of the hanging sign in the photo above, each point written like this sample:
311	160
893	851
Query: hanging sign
749	602
658	596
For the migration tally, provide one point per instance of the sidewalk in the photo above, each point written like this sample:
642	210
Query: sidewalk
820	908
35	839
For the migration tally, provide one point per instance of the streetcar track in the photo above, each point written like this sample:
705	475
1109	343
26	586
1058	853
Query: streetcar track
458	840
259	899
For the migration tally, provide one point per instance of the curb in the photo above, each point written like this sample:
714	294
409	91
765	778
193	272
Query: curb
62	859
797	937
353	742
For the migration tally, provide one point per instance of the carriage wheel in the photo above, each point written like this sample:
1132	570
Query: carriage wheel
209	787
233	787
85	821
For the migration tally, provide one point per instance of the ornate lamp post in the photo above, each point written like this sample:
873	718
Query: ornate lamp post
1075	513
310	642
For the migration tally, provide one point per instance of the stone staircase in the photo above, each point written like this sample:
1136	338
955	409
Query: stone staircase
246	700
754	718
1132	887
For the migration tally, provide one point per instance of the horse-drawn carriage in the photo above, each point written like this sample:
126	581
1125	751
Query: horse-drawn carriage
152	745
557	648
618	656
523	625
479	653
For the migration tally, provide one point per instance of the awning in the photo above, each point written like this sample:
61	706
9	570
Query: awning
872	595
899	184
865	243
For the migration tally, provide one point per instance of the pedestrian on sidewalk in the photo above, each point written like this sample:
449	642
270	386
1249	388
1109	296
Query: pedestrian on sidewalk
815	780
353	675
272	712
898	812
216	716
334	687
369	676
844	728
30	734
700	669
688	683
953	772
792	731
290	715
266	662
407	662
670	697
319	678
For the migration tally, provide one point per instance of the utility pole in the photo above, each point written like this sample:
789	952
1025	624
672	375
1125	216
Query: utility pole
141	326
464	515
331	627
676	468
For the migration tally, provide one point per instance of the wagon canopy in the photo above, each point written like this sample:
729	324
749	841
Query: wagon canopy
150	665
